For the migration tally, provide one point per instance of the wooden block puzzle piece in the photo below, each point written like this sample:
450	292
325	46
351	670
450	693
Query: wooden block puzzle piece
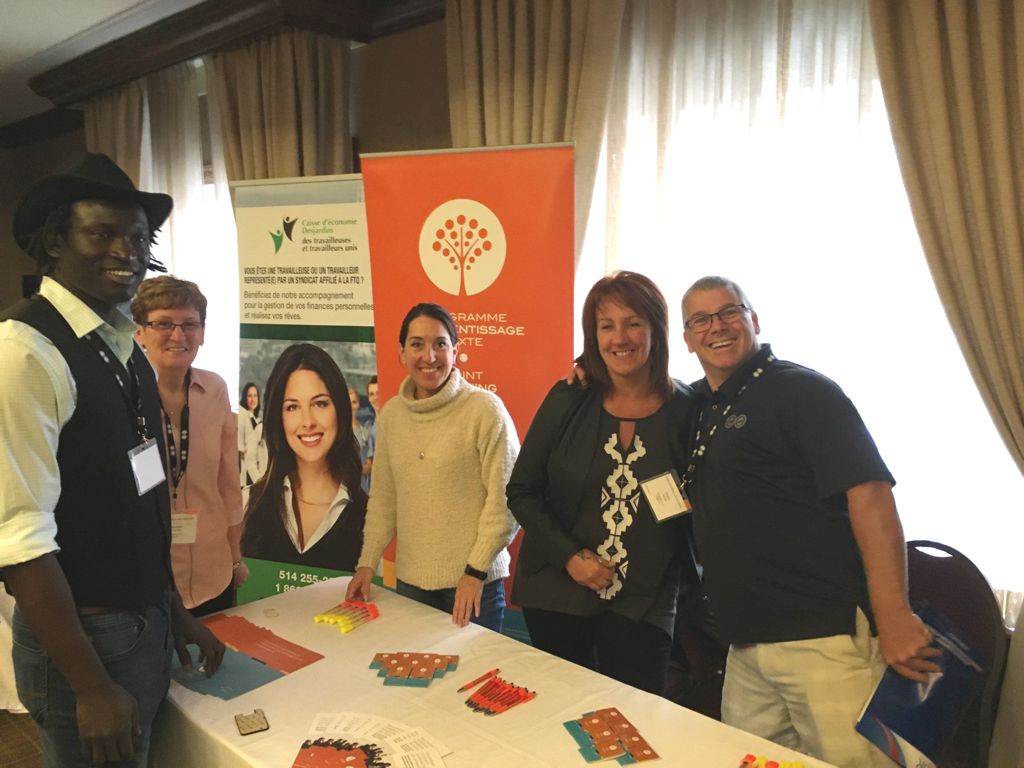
609	750
606	734
253	723
640	749
413	669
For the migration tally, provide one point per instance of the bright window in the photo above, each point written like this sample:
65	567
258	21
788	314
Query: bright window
782	176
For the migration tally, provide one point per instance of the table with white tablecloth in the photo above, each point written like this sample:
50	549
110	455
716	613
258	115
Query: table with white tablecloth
199	730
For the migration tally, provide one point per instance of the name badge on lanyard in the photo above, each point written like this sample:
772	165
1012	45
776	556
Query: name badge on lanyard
184	526
147	466
145	461
665	495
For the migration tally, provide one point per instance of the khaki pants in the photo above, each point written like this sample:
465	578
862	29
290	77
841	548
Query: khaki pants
807	694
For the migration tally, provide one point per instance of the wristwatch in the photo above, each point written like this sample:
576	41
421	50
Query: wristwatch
471	571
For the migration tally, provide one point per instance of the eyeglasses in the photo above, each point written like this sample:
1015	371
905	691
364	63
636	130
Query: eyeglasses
729	314
166	326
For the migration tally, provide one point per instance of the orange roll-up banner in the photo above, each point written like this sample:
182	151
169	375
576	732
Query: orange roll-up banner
487	234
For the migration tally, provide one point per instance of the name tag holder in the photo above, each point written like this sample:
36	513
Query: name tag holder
147	467
183	526
665	495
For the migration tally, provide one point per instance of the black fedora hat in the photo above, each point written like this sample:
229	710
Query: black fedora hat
92	177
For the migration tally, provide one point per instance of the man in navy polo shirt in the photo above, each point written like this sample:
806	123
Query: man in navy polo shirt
84	508
796	526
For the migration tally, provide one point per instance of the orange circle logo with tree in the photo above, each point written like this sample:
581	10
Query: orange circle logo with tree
462	247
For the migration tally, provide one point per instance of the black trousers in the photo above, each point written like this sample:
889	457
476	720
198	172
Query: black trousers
635	653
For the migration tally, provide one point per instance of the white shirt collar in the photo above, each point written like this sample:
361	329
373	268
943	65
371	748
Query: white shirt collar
119	335
341	499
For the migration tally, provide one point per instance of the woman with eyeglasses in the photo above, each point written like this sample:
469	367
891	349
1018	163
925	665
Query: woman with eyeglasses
308	508
200	434
604	544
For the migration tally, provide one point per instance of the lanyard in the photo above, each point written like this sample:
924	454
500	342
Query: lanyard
702	439
178	459
130	388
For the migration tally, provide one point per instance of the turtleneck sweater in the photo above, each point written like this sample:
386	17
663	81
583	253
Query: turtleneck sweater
439	476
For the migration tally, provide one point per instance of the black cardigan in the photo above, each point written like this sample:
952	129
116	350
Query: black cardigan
545	492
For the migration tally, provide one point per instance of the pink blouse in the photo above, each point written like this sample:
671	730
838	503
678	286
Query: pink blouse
210	485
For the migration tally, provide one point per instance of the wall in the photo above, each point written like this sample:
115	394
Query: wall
399	102
400	91
19	167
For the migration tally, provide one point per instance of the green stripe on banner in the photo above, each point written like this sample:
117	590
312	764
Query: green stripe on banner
306	332
267	578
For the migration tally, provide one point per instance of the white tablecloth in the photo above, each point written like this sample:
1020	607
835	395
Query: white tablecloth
198	730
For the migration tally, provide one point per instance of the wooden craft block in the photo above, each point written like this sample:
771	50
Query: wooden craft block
640	749
609	750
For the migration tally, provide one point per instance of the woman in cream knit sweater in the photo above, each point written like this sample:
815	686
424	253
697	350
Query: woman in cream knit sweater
445	450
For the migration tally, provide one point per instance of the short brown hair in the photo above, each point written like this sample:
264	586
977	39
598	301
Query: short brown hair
639	293
167	292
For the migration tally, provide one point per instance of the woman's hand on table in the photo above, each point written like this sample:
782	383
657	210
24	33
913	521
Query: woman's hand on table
590	571
467	600
359	585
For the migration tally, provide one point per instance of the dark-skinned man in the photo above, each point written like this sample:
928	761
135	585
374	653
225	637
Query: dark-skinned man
84	511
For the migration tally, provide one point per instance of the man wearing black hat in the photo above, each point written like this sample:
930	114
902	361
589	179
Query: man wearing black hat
84	514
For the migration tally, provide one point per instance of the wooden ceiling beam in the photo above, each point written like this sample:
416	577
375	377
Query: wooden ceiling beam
46	125
217	24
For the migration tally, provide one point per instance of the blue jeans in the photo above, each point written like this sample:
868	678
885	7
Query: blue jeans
492	601
135	648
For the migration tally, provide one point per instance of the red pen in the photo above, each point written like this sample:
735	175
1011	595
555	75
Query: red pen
478	700
516	697
493	694
488	689
479	680
749	761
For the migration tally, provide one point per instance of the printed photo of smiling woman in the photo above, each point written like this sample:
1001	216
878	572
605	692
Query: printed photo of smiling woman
308	508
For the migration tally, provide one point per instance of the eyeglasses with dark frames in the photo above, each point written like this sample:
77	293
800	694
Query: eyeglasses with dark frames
166	326
729	314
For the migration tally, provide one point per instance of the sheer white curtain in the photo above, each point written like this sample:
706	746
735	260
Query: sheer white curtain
198	243
751	140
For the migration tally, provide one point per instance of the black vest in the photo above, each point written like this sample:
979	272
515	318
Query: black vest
114	544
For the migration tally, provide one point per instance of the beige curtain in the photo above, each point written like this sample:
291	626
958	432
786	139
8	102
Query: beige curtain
175	167
280	106
114	125
152	127
533	71
952	74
